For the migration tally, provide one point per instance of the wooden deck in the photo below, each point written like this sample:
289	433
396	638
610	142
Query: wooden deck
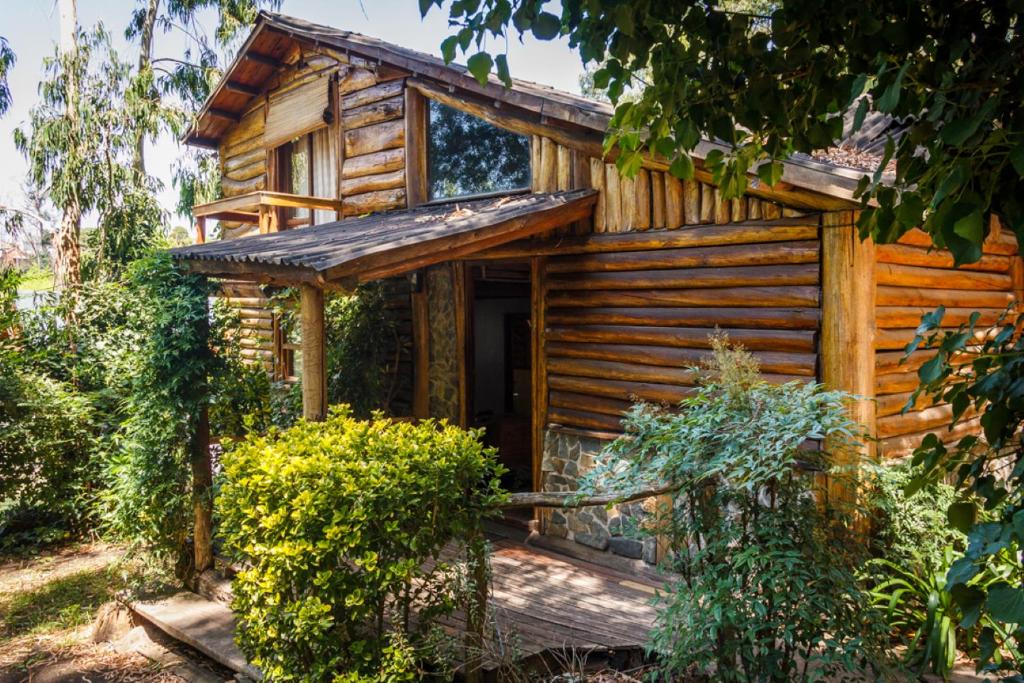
543	602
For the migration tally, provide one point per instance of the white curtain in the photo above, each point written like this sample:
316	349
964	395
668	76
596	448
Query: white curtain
325	172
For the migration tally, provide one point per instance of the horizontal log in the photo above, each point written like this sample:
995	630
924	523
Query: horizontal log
951	298
919	256
374	93
778	253
584	419
892	404
622	390
355	78
233	188
369	202
915	422
374	138
243	147
373	183
756	318
782	363
940	278
897	382
571	499
587	403
251	125
751	232
375	112
245	300
993	245
887	362
233	163
889	317
373	163
899	446
896	339
795	297
685	337
256	168
690	278
637	372
248	313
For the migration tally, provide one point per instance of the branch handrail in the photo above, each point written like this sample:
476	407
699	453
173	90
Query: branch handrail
571	499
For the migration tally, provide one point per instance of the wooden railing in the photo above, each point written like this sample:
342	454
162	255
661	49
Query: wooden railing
261	208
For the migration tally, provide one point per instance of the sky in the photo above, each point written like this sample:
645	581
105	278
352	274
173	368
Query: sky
31	28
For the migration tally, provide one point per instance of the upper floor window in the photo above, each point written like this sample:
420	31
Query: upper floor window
468	156
295	174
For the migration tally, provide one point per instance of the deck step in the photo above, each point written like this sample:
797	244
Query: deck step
203	624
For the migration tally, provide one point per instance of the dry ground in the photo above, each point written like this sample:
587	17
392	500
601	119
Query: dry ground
48	604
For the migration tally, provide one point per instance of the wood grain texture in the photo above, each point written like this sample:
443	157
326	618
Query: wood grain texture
847	326
374	138
373	163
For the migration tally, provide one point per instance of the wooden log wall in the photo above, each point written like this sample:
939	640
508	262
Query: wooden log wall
911	280
257	325
626	318
653	200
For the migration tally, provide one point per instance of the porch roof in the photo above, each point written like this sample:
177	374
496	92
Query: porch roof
342	254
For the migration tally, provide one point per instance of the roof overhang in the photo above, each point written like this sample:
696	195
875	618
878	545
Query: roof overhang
343	254
276	39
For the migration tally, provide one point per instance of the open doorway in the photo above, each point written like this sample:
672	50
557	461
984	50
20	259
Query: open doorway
500	372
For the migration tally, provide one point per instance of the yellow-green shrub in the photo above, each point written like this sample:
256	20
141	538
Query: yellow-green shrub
336	521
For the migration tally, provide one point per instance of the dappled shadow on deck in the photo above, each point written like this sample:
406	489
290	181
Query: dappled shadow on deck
543	603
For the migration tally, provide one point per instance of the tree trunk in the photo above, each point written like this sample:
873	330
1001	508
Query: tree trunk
145	62
67	257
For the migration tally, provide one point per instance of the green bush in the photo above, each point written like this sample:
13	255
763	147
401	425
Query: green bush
47	441
763	583
341	525
148	498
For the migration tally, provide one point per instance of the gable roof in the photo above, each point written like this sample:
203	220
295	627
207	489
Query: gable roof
275	35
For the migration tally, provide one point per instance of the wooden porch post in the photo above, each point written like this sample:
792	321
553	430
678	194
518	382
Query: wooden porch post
848	324
201	230
202	480
314	358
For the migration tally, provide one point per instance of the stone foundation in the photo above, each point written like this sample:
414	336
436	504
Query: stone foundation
567	456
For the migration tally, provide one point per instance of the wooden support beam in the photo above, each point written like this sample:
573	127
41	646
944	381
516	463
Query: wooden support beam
314	359
201	230
416	190
235	86
421	349
848	326
538	365
202	481
224	114
265	60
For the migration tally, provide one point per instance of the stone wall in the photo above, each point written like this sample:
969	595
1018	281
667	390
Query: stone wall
444	370
567	456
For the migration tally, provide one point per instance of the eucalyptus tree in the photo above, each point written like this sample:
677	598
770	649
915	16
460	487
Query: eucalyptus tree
178	83
7	59
78	143
770	82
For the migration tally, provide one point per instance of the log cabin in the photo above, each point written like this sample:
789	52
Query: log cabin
538	293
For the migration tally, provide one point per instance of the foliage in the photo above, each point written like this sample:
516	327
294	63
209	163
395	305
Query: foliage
467	155
7	59
148	498
79	149
335	522
48	434
911	530
771	82
765	563
362	345
979	371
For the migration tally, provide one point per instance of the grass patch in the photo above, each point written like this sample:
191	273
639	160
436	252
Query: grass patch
36	280
63	603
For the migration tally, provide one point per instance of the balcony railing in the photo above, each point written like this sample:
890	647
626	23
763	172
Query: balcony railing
261	208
